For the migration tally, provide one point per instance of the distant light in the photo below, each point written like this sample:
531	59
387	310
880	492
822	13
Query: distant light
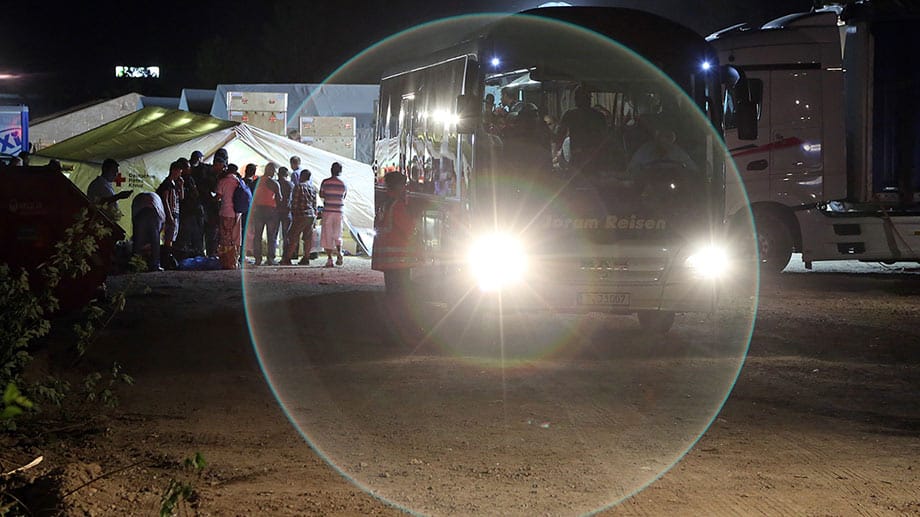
495	61
555	4
705	65
8	76
149	72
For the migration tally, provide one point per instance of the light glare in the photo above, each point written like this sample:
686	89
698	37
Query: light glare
709	261
497	261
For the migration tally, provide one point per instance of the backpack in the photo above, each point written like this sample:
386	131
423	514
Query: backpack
242	198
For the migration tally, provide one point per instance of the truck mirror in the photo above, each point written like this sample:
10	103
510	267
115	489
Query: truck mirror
748	95
469	112
746	121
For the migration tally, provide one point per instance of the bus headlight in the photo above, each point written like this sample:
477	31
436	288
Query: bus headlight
497	261
709	261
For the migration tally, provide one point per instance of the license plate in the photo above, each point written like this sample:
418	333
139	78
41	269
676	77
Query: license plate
603	299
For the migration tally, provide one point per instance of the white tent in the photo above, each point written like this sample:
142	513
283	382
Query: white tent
145	143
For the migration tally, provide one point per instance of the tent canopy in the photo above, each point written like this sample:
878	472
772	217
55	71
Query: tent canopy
147	141
141	132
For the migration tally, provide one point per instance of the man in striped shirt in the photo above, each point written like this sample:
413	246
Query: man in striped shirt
332	190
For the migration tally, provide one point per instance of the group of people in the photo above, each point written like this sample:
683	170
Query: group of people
583	139
200	210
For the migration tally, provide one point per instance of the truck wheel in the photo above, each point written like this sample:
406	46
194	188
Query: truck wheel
656	322
774	243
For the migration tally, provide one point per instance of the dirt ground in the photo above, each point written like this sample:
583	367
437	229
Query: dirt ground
565	416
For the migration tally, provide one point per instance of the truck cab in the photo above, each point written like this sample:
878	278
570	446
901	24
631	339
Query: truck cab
829	172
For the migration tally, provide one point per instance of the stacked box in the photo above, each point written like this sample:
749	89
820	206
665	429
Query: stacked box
264	110
273	122
334	134
327	126
340	145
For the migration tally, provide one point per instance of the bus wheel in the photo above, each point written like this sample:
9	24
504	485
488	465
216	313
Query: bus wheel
656	322
774	243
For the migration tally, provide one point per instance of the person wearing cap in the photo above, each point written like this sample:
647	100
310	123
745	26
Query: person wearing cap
394	253
101	192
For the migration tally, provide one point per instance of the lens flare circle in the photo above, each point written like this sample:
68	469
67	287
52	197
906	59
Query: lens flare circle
476	405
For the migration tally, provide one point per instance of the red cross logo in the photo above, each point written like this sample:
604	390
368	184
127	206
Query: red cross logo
120	179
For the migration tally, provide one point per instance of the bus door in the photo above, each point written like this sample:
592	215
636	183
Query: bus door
406	134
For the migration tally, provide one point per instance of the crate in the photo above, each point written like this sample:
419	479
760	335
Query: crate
256	101
271	121
327	126
340	145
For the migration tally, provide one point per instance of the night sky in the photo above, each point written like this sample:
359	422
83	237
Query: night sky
64	55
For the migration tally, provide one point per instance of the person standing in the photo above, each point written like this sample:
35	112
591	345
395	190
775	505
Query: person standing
586	130
191	227
198	172
230	219
264	216
393	250
101	192
333	192
171	192
303	212
249	176
295	169
284	207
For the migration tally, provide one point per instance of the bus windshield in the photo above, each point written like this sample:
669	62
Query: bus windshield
601	148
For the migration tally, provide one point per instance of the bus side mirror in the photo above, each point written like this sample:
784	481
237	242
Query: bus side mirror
469	111
748	95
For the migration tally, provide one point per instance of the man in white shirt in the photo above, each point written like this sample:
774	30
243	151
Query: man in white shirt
101	192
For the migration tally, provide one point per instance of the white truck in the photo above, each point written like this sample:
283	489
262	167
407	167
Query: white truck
833	170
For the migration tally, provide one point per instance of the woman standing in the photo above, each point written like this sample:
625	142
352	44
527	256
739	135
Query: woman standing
230	219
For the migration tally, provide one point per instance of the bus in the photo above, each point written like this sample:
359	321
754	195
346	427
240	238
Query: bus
536	201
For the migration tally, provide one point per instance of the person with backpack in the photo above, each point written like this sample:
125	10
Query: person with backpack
233	196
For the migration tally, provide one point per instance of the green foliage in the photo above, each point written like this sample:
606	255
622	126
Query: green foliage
22	320
13	402
53	390
181	493
27	303
99	388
